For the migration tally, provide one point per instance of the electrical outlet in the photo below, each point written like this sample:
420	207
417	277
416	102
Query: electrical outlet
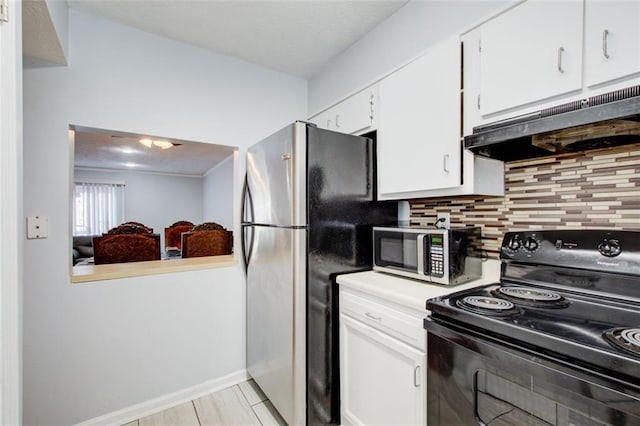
446	223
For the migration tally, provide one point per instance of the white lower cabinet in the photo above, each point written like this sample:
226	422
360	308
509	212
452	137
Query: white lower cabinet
382	363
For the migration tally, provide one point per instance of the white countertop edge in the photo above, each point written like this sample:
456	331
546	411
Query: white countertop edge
412	293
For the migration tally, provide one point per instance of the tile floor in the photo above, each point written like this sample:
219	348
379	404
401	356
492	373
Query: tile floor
242	404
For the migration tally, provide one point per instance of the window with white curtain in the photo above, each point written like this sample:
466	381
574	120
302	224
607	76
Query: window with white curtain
97	206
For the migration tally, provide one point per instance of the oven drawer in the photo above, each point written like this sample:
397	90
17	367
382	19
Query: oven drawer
384	317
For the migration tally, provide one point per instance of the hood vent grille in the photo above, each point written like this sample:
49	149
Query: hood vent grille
561	109
618	95
600	121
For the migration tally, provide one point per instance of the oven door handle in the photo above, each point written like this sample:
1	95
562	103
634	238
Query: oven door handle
474	388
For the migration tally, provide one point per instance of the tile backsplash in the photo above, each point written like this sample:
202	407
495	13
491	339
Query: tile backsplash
592	189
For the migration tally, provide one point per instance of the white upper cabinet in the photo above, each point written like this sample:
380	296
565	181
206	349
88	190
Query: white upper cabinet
419	145
529	53
354	115
612	40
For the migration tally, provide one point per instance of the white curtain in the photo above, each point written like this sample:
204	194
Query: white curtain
97	207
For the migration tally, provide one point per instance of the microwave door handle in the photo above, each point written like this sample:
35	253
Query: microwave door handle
420	242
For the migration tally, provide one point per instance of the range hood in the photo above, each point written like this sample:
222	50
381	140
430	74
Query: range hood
600	121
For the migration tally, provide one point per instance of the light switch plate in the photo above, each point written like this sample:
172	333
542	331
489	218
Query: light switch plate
37	227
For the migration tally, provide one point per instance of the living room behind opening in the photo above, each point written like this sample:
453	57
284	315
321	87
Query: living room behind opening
156	182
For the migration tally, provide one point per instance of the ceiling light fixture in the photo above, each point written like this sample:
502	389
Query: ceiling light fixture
160	144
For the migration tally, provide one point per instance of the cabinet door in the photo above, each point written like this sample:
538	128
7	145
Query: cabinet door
419	124
382	380
325	120
612	40
353	115
471	115
530	53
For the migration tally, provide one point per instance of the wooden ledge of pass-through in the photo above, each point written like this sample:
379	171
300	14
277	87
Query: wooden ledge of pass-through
87	273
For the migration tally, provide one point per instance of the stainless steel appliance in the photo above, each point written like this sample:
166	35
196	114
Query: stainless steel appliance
308	211
599	121
443	256
556	341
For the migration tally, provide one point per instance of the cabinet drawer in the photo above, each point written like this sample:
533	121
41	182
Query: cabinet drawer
403	326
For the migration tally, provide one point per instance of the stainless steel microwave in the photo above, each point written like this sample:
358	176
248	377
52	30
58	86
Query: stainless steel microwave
442	256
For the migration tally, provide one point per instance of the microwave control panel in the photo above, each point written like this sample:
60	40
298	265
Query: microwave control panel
436	255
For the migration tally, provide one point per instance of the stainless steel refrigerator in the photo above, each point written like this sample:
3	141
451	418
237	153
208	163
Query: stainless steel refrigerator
308	209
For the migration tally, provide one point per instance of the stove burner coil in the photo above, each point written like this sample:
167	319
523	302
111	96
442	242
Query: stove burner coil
487	305
627	339
529	293
537	297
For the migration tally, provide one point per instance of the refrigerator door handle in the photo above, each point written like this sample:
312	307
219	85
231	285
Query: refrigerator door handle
246	252
247	207
247	203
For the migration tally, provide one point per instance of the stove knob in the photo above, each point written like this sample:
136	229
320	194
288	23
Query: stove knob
609	248
514	244
530	244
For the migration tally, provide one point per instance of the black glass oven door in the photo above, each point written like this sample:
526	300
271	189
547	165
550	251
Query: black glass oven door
475	382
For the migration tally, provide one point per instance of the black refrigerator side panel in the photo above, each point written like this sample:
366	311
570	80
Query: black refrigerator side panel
341	212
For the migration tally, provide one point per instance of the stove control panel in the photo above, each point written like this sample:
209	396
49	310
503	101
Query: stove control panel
609	247
514	243
590	249
520	242
531	244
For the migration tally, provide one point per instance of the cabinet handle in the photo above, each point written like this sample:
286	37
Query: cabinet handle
445	163
328	124
560	52
416	376
338	121
605	36
373	317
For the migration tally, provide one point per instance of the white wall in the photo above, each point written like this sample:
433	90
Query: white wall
91	349
218	194
393	43
158	200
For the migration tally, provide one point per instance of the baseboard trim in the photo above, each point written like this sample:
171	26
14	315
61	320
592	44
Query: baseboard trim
161	403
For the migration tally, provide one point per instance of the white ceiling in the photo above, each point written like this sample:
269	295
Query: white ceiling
106	150
297	37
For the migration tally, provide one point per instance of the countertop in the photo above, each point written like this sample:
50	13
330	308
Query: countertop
88	273
412	293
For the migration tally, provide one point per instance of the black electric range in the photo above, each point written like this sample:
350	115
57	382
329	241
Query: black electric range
561	331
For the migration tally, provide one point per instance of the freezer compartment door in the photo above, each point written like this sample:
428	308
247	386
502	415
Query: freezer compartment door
276	318
276	177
